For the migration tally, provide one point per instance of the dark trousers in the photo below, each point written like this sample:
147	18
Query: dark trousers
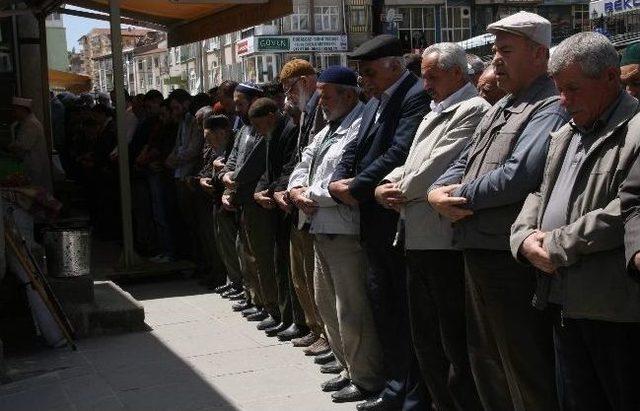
189	246
290	309
226	225
510	342
435	284
387	290
597	365
163	206
213	266
263	229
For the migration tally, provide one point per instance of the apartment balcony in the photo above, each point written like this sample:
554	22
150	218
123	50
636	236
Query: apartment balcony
264	30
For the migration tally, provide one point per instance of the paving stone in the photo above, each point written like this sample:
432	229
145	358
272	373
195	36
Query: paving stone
173	397
199	355
47	397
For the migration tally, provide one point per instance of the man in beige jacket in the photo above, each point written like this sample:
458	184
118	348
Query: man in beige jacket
435	269
571	231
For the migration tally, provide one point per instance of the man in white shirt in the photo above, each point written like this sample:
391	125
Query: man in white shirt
340	261
435	269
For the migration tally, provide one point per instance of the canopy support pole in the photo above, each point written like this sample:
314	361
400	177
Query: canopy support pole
129	256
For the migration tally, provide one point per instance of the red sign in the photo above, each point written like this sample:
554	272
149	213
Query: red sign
242	47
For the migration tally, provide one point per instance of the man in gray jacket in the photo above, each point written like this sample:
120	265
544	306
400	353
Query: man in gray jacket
482	193
435	269
340	262
571	230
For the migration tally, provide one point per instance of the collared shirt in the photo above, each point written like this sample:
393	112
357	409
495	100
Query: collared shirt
386	95
454	98
556	213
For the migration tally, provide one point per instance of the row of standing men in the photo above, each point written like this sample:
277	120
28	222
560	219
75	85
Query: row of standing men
406	236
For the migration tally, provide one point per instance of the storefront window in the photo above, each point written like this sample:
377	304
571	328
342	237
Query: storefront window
456	23
326	18
580	17
326	60
298	20
250	69
417	30
359	18
261	68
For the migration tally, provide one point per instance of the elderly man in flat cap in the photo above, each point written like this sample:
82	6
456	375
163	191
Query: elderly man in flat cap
571	231
389	123
630	69
298	79
510	343
340	263
29	144
435	269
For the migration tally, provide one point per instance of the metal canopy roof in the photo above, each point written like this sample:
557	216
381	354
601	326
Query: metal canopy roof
186	21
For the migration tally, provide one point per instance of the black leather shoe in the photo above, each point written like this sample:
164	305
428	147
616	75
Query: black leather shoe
294	331
332	367
241	305
350	393
251	310
268	322
259	316
222	288
377	404
324	358
335	384
231	291
238	296
273	331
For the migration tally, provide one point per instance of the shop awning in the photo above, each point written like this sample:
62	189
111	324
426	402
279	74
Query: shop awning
75	83
187	21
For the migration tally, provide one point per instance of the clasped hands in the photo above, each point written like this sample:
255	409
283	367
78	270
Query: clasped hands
445	203
299	198
532	248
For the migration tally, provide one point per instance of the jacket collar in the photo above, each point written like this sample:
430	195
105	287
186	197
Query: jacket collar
463	94
347	122
524	98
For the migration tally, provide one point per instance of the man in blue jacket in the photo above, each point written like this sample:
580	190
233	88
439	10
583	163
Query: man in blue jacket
389	123
510	344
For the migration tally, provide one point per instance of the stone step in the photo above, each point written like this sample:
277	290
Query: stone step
112	311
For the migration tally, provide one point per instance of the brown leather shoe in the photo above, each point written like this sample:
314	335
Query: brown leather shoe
305	341
319	347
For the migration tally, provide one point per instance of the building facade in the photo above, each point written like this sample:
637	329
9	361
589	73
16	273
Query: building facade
57	54
96	47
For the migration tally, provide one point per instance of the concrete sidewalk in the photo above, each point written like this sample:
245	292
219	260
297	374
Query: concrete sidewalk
199	355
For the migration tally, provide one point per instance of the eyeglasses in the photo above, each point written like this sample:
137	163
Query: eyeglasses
288	89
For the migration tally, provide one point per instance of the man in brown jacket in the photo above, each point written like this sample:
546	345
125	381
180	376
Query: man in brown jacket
571	230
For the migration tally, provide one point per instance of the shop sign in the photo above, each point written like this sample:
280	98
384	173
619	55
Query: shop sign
612	7
620	5
245	46
274	43
318	43
302	43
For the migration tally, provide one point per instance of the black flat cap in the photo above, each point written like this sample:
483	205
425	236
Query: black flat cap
384	45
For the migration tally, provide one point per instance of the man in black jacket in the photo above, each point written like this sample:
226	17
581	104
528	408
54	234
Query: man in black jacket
299	82
239	190
272	225
389	123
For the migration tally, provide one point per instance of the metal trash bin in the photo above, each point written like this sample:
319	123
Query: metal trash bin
68	251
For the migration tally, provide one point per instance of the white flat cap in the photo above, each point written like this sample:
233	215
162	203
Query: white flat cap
530	25
22	102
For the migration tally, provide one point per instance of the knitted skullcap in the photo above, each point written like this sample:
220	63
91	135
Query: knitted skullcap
296	68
